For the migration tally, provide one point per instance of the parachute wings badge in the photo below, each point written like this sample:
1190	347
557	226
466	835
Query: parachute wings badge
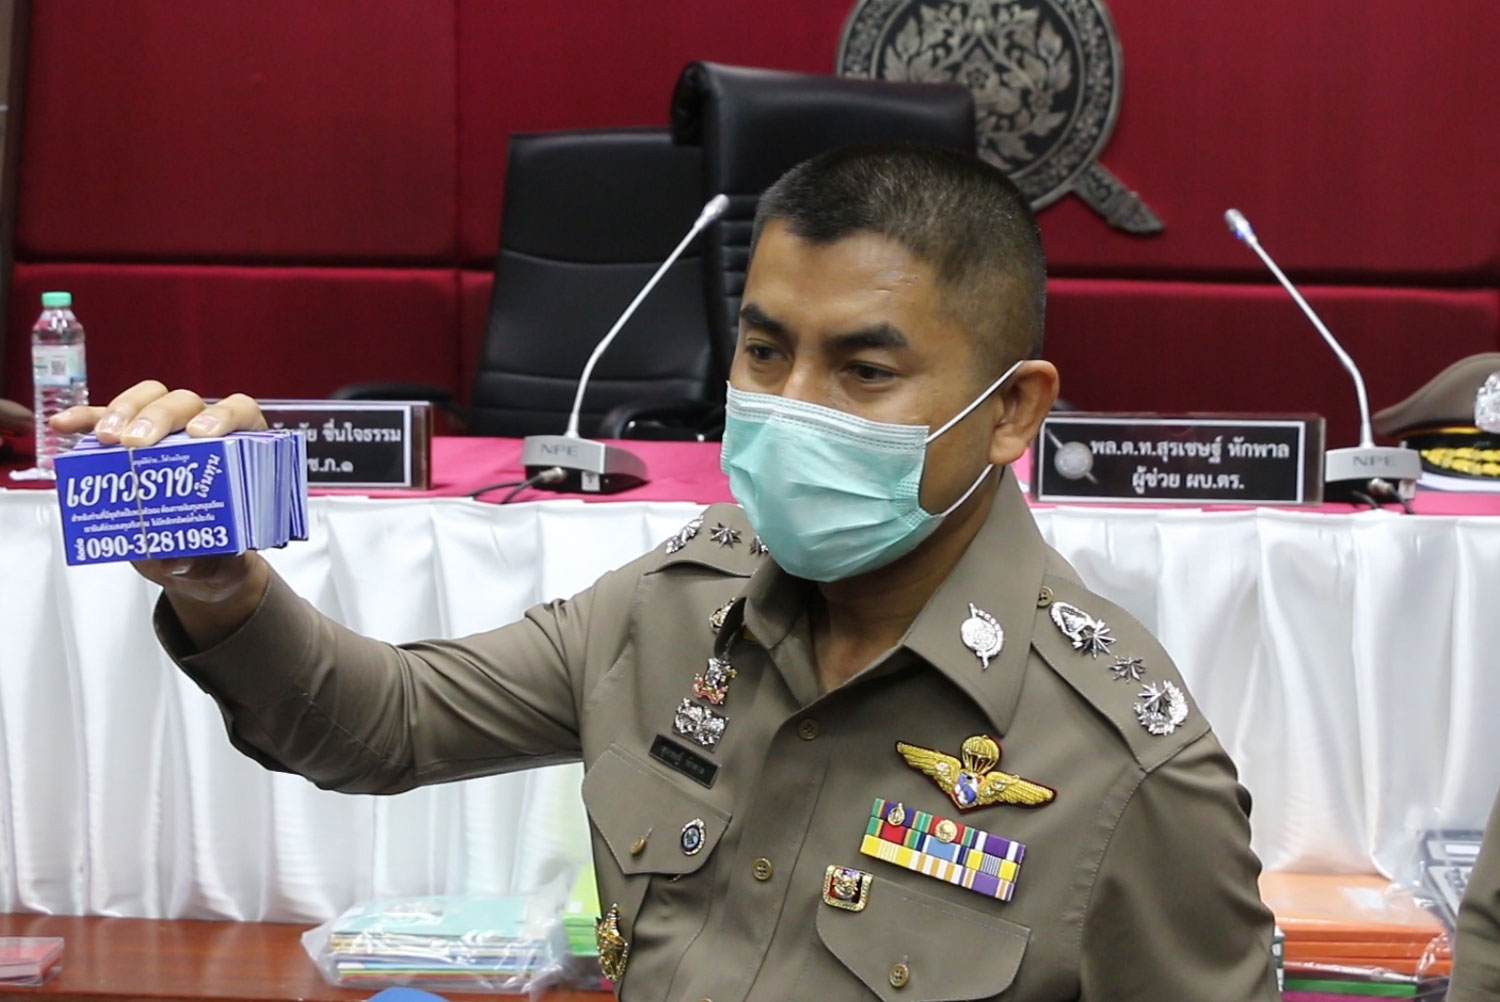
973	781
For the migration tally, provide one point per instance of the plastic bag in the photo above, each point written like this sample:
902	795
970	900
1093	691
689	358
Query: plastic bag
1438	874
453	943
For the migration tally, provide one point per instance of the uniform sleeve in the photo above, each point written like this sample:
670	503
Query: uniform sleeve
300	693
1176	914
1476	951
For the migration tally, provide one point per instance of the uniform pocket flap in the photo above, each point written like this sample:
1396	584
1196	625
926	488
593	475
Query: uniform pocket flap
650	824
910	946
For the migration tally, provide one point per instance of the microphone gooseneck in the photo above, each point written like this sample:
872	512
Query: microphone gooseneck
1240	227
712	210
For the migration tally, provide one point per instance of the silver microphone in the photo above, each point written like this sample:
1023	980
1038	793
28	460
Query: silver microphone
1382	470
712	210
1240	227
585	464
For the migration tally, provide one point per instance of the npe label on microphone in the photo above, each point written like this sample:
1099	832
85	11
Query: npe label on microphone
1194	459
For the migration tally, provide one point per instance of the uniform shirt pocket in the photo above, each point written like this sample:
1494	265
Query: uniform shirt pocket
650	823
906	945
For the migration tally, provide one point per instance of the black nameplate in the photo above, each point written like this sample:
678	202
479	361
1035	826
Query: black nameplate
360	443
689	763
1193	459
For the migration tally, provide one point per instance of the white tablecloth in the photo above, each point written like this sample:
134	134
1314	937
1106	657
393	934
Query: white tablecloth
1346	662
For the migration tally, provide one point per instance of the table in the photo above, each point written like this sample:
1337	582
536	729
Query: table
1343	659
120	958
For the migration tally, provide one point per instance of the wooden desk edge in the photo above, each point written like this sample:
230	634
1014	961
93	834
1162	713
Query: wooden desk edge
188	960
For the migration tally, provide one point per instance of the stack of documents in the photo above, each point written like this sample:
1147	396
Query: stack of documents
1354	937
183	497
461	942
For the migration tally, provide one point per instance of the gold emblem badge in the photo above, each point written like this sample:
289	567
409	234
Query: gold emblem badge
614	952
974	781
847	888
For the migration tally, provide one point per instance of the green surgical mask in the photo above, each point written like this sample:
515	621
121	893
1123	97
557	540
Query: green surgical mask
830	494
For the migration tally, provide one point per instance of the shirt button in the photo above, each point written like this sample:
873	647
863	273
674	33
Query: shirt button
808	729
900	975
762	869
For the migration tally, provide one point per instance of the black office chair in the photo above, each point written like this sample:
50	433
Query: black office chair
753	125
589	215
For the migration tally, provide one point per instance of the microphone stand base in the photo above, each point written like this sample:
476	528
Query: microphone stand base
1384	473
589	467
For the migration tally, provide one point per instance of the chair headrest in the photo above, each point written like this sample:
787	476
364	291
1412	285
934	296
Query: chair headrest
754	124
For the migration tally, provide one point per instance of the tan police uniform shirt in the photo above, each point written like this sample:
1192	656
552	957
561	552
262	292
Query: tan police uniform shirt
1137	881
1476	950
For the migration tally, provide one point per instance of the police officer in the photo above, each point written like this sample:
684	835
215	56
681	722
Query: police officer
862	735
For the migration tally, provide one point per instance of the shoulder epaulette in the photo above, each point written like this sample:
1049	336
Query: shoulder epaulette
1114	663
720	538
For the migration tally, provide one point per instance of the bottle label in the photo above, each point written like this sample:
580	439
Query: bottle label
57	364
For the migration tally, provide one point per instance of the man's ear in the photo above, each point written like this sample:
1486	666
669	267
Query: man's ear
1028	397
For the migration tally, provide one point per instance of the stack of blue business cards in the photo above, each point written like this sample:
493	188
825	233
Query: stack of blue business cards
183	497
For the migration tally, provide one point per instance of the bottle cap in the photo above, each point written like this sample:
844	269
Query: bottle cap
57	300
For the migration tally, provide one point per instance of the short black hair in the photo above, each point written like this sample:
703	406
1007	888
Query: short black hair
948	208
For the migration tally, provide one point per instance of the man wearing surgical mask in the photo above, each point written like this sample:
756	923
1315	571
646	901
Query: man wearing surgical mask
864	736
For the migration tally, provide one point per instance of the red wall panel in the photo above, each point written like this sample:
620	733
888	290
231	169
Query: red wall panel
237	130
1354	134
298	332
568	64
1134	346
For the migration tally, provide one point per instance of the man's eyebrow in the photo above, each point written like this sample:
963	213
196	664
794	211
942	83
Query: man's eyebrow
753	316
880	336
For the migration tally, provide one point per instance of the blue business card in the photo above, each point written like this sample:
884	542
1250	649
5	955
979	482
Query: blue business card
184	497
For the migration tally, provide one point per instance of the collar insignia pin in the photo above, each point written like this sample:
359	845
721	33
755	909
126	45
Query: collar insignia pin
713	685
1087	634
684	535
724	535
1161	708
981	633
974	781
717	617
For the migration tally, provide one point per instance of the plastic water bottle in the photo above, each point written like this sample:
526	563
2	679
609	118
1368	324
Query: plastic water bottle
57	372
